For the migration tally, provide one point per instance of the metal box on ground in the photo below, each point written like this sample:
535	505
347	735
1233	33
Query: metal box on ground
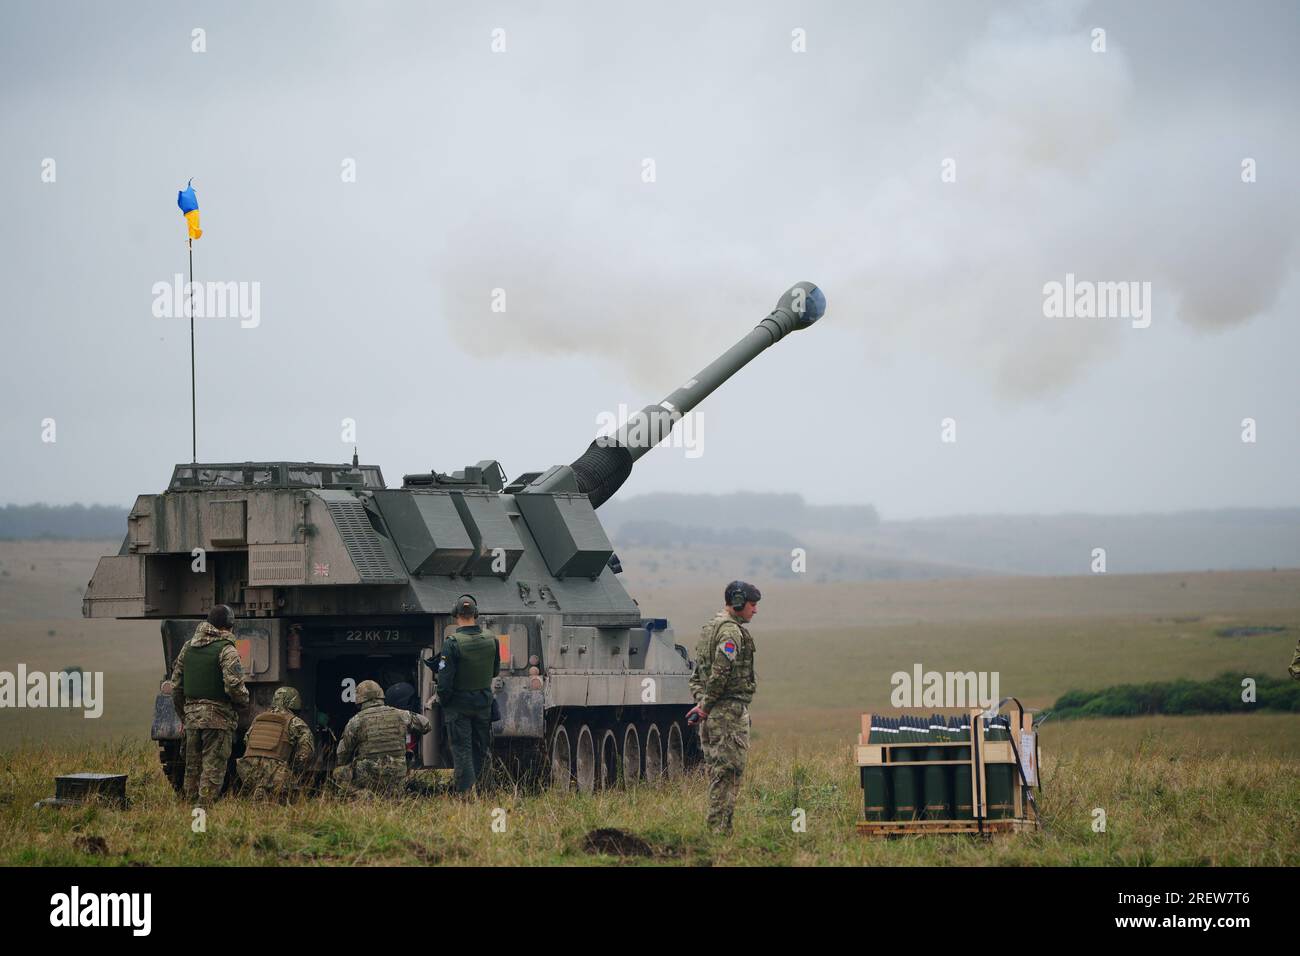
75	789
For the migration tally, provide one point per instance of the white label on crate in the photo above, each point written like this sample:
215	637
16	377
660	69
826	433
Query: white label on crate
1027	753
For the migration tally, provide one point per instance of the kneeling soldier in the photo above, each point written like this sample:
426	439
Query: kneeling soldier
372	751
277	750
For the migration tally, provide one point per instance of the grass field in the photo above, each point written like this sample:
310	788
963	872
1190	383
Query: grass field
1183	794
1175	790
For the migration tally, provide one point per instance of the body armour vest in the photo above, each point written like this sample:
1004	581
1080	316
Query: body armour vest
477	654
202	678
385	732
269	736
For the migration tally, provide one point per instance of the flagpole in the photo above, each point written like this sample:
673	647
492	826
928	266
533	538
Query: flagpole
194	427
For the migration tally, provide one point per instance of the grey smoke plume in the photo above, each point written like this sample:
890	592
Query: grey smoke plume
811	167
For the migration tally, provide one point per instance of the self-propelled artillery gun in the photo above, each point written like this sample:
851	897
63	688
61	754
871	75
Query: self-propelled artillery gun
336	578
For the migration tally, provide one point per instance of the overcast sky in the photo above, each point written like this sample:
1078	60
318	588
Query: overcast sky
525	170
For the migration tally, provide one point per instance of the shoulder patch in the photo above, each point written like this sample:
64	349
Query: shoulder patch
728	647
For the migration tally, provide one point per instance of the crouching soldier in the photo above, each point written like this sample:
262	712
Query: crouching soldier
278	749
372	751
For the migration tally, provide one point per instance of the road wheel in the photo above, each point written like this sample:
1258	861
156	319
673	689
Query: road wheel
675	752
584	759
631	755
607	766
560	754
654	754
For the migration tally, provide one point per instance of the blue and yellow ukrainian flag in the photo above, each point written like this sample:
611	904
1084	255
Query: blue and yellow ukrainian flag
189	204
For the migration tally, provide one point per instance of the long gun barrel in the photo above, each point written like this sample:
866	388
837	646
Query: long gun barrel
601	470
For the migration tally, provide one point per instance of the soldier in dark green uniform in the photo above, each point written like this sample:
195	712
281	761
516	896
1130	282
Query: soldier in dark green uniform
723	685
207	685
470	659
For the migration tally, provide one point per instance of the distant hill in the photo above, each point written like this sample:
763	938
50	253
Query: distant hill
859	545
753	510
851	542
1221	540
81	522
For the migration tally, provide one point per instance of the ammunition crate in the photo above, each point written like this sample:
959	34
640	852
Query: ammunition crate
930	796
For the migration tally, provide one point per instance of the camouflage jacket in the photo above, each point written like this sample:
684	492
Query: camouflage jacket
211	714
376	729
302	745
724	663
1294	669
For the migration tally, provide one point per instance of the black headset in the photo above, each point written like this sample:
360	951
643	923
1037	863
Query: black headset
739	592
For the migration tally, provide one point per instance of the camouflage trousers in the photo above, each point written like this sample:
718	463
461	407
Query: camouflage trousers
383	775
206	754
265	778
470	736
724	737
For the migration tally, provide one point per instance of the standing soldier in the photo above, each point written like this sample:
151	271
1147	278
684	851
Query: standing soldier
470	659
372	751
207	685
723	685
277	750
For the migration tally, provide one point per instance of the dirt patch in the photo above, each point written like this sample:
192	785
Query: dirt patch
436	855
93	845
615	842
426	855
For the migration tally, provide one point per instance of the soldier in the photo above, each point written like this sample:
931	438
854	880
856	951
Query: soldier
723	685
207	685
470	659
278	749
404	696
1294	668
372	751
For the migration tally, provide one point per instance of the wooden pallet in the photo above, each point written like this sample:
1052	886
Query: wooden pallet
887	828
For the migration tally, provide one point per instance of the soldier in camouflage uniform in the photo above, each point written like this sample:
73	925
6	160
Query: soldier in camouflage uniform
278	749
469	661
723	685
1294	668
372	751
207	685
